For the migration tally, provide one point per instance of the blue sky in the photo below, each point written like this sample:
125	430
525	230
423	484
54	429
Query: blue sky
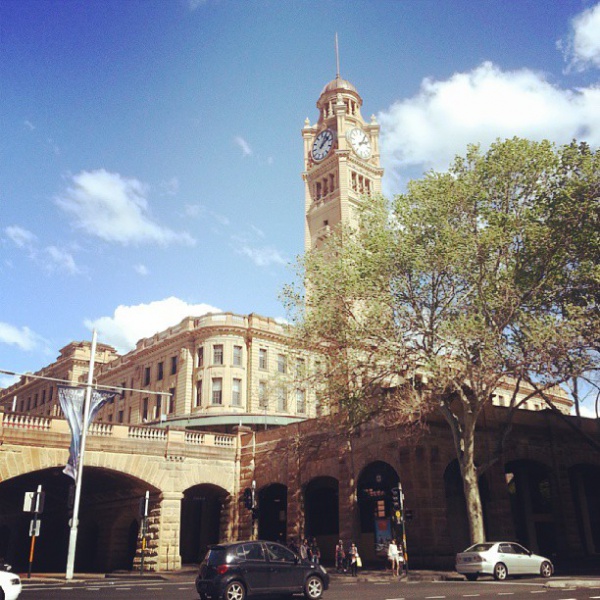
151	154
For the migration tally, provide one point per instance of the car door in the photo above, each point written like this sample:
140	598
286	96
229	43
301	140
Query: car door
287	572
254	566
508	556
529	563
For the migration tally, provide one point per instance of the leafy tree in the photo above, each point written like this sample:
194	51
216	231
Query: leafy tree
485	274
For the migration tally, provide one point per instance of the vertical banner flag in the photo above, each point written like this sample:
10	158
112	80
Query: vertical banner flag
71	401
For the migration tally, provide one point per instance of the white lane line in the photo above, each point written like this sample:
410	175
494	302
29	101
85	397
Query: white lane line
506	593
433	597
470	595
92	589
538	592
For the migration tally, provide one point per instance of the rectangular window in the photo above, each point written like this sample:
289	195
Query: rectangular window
201	356
262	394
236	392
123	386
282	399
145	409
161	371
300	368
262	358
281	363
35	400
158	406
218	354
120	416
147	376
300	401
173	365
43	396
237	356
171	401
217	390
51	394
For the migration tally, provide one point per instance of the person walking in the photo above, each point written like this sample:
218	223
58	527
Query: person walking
394	557
315	552
353	557
340	557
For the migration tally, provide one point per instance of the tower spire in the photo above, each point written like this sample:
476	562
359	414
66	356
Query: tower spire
337	57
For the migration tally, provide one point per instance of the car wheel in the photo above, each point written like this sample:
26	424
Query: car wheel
471	576
545	569
313	588
234	591
500	572
1	594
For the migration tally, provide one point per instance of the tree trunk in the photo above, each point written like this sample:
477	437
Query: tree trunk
471	486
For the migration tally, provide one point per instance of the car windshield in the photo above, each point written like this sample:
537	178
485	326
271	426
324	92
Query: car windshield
479	548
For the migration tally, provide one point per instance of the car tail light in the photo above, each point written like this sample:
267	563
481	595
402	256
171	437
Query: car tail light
222	569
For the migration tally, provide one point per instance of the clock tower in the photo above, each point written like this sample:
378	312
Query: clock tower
341	161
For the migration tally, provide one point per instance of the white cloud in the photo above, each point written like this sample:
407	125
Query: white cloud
479	106
141	270
115	209
582	47
24	338
61	260
132	323
263	257
22	238
171	187
244	145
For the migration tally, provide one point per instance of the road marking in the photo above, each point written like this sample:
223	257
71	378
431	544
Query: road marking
470	595
433	597
92	589
538	592
506	593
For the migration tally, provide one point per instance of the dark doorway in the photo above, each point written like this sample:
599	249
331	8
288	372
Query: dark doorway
585	487
201	509
272	519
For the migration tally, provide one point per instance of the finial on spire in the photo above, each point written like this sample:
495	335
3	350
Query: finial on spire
337	57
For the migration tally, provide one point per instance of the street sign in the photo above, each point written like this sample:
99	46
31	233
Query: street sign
34	502
34	528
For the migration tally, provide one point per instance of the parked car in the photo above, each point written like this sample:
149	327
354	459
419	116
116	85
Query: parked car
501	559
235	571
10	584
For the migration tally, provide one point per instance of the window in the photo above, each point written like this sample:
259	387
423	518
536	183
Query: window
120	416
122	393
262	394
218	354
173	365
43	396
199	393
171	401
201	356
35	400
281	363
51	394
300	368
147	376
300	401
145	409
262	358
158	407
236	392
217	390
161	373
282	399
237	356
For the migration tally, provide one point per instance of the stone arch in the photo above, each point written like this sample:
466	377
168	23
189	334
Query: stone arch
109	502
202	515
272	517
532	491
585	489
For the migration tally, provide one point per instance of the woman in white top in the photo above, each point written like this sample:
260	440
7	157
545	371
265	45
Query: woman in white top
394	556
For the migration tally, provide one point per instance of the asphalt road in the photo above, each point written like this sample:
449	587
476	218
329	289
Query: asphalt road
340	590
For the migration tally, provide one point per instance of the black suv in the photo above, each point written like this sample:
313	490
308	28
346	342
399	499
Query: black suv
238	570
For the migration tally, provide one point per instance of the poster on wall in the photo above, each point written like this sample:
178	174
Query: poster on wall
383	536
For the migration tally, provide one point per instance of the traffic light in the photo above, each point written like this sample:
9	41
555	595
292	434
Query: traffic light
248	498
395	499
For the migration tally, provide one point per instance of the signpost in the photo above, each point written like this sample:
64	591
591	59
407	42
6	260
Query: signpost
144	503
34	503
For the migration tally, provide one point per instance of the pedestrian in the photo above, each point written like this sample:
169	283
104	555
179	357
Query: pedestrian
304	550
315	552
394	558
340	557
354	558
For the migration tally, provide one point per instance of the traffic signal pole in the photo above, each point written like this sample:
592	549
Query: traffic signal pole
403	523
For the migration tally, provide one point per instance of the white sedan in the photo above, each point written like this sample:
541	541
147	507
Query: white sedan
501	559
10	585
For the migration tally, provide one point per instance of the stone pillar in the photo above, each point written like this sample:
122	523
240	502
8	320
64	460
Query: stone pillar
164	523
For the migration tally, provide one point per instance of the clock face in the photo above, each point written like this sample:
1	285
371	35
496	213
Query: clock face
360	142
323	144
